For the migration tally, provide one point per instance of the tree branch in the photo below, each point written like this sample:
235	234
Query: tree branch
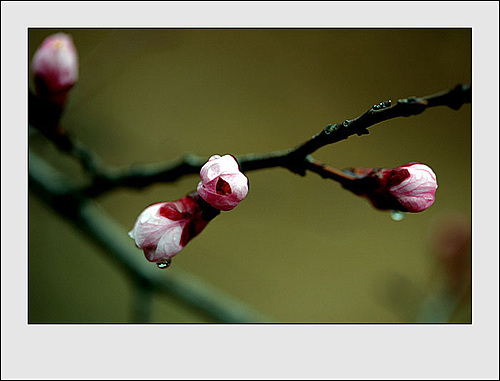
84	214
378	113
105	179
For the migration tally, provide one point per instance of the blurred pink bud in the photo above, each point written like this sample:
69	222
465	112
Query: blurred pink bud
450	240
55	67
408	188
163	229
222	184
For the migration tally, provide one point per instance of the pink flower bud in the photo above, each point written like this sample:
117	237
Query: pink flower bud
163	229
222	184
408	188
417	188
55	67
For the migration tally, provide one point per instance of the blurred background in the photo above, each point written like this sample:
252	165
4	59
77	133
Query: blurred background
299	249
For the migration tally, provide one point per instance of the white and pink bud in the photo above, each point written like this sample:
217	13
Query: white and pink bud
416	192
222	184
163	229
408	188
55	67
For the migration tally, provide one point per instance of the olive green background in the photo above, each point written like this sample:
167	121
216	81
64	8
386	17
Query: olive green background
300	249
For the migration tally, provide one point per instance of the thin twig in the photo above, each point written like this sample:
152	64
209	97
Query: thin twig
327	172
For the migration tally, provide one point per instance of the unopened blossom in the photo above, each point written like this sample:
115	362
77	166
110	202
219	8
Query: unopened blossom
222	184
408	188
163	229
416	192
55	67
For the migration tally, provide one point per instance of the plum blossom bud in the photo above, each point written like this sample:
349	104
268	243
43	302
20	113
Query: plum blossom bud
416	192
55	67
408	188
163	229
222	184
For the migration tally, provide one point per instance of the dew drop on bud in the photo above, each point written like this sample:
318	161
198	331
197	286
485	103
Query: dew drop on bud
164	264
396	215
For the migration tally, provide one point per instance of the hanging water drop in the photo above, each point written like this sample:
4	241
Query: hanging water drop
396	215
165	264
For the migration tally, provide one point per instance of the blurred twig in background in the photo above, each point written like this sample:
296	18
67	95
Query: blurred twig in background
88	217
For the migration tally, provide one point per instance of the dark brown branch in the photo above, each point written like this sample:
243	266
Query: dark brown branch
105	179
378	113
141	176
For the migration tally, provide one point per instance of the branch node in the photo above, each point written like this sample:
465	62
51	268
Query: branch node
412	106
363	131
